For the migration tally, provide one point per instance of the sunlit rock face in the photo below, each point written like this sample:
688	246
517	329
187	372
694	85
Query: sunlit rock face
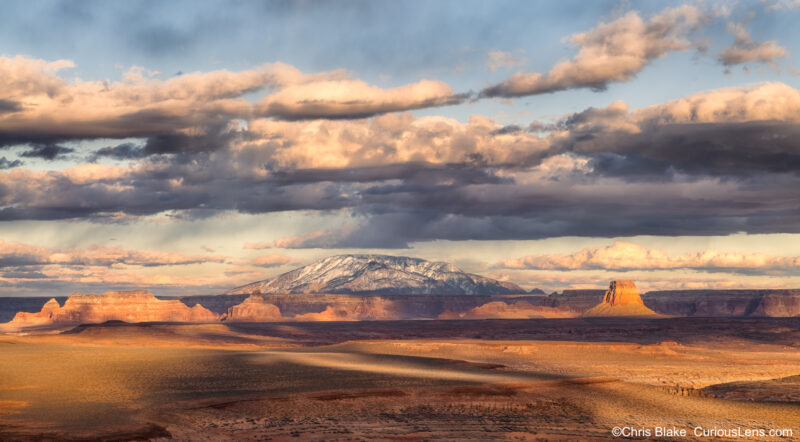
621	293
254	309
621	299
128	306
380	274
502	310
367	309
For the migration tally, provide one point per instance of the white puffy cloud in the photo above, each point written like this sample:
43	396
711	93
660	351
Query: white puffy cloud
611	52
745	50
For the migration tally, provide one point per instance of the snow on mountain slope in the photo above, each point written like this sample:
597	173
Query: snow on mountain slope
379	274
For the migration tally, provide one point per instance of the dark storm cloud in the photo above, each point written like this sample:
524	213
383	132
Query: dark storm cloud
408	173
6	164
642	177
714	163
46	151
399	229
25	275
124	151
725	149
19	259
510	129
398	204
17	138
8	106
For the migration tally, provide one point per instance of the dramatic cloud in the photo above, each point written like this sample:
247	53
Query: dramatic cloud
626	256
745	50
124	151
389	139
719	162
46	151
611	52
741	131
8	106
195	111
6	164
14	254
53	109
353	99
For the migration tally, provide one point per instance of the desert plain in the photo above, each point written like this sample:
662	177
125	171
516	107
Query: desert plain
515	379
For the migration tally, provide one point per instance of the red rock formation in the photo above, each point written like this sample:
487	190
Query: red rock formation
621	299
622	293
254	309
778	304
368	309
128	306
501	310
725	303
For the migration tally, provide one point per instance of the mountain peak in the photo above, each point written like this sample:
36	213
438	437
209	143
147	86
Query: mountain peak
379	274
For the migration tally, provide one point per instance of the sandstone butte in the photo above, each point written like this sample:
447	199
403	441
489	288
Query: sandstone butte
254	309
621	299
257	309
371	308
128	306
501	310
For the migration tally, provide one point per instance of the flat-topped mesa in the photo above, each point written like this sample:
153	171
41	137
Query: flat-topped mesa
372	308
621	299
254	309
128	306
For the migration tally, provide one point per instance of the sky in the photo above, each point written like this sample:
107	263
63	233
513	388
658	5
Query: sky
188	147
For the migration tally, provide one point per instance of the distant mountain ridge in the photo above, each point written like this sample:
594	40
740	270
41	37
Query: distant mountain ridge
379	274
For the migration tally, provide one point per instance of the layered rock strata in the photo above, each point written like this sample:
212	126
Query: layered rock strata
128	306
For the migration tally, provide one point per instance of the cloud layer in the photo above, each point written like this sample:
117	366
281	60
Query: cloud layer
745	50
190	111
718	162
611	52
15	254
627	256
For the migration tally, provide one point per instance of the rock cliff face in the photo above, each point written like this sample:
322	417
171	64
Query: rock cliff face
128	306
502	310
622	293
379	274
725	303
621	299
779	304
373	308
575	300
254	309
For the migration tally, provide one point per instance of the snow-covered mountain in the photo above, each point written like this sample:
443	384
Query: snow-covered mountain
379	274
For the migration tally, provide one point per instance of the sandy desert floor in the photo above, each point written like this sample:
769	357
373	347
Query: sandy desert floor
565	379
